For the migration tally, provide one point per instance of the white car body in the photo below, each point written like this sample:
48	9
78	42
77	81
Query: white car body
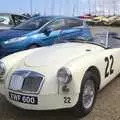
77	57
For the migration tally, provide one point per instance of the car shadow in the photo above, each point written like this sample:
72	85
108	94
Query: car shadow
9	111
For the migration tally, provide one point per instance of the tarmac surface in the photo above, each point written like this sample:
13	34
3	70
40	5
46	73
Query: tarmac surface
107	105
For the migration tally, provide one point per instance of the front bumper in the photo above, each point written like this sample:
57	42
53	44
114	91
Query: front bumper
46	102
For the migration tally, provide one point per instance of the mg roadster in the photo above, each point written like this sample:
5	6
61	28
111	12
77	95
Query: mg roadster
60	76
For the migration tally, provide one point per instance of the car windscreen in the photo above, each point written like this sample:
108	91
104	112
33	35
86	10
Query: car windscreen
32	24
101	39
5	20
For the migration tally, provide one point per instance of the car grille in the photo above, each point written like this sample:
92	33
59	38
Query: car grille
26	81
32	83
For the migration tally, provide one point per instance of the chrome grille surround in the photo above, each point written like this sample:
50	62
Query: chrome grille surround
26	81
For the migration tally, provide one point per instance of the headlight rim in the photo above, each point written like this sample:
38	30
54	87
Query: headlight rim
69	75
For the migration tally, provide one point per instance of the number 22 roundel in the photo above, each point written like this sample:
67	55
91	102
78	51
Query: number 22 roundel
109	65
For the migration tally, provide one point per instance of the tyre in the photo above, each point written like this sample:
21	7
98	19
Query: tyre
33	46
87	95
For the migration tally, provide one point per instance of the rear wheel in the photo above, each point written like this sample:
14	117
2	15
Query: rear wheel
87	95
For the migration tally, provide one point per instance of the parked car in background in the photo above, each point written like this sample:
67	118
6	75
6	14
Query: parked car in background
8	20
56	29
116	22
26	27
102	20
27	15
87	18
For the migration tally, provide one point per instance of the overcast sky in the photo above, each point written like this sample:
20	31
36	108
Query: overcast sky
61	7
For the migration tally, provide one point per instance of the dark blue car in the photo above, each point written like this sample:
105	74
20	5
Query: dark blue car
24	28
53	30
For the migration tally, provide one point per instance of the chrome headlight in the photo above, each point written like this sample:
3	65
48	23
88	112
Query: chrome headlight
64	75
26	81
2	68
14	40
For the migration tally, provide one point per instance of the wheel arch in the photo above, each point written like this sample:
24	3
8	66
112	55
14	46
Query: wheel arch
96	71
38	45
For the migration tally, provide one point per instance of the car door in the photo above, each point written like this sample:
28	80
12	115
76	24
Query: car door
110	61
113	55
110	65
76	28
51	33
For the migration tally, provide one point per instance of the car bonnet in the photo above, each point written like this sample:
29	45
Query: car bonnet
59	54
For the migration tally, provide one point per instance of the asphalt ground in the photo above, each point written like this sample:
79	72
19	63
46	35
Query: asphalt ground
107	105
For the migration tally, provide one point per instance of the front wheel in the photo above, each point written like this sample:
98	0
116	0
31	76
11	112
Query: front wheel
87	95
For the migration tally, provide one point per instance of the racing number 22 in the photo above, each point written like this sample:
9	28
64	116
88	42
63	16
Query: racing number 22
109	62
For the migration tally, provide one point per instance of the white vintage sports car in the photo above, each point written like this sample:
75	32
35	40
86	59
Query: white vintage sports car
64	75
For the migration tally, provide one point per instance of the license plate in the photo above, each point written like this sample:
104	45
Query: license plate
23	98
